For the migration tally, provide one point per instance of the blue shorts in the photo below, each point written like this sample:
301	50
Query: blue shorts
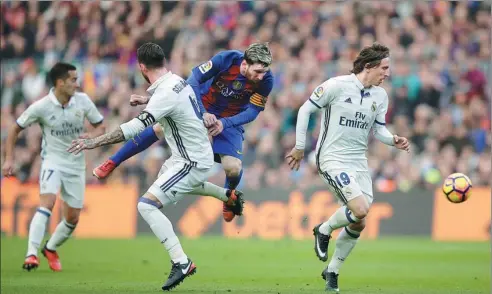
229	142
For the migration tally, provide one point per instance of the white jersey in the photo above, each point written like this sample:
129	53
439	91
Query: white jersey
349	113
173	104
60	125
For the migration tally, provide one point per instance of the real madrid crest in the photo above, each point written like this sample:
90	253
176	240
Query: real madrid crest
236	85
374	106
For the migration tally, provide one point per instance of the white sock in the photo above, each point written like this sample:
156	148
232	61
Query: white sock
209	189
62	232
37	230
163	229
346	241
341	218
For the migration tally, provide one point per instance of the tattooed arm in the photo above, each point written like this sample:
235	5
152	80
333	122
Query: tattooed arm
78	145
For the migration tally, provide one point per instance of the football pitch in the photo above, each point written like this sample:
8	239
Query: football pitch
141	265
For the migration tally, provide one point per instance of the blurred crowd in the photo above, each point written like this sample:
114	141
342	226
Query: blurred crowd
439	87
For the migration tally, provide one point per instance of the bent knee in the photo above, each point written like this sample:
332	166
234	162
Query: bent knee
158	130
150	200
232	168
73	220
360	212
359	226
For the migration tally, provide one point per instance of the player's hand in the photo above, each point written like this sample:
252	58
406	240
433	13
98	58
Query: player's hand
8	168
209	119
294	158
138	100
80	144
402	143
216	129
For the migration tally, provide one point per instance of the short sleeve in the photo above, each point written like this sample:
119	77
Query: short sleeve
31	115
161	104
325	93
91	112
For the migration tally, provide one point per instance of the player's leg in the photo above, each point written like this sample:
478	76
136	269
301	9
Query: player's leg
344	186
49	182
348	237
72	194
169	187
139	143
229	146
233	199
346	241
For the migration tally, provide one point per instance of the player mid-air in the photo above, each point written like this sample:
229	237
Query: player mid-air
61	115
173	105
352	105
232	88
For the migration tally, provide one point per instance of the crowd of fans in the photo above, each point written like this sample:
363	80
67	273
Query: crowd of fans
439	91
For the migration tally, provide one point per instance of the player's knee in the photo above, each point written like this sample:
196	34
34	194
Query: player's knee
72	219
47	201
359	227
360	212
147	202
159	132
233	168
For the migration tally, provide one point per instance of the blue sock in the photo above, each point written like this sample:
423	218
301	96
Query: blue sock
136	145
232	182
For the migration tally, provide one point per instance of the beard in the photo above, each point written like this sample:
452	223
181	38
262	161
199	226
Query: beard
145	77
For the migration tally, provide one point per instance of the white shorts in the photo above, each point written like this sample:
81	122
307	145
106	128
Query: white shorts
72	185
176	179
348	184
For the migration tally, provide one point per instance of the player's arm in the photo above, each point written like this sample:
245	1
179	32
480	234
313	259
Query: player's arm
383	134
96	120
29	116
322	96
160	105
257	103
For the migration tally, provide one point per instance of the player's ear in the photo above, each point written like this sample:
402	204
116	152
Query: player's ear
143	68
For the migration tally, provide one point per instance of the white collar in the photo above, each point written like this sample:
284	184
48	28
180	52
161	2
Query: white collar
164	77
53	98
358	83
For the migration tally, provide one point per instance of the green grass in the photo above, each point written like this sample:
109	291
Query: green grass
403	265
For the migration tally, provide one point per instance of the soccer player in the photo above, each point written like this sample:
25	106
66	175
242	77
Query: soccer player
61	115
172	104
351	105
233	87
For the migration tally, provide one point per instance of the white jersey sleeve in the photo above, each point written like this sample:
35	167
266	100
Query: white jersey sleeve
91	112
379	127
383	109
31	115
162	103
325	93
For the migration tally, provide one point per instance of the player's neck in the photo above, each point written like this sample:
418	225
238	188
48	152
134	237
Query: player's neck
156	74
61	97
364	79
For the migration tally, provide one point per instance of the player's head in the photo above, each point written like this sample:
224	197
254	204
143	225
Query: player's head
150	56
256	63
64	78
373	61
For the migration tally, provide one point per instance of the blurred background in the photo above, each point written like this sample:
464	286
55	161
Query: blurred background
439	87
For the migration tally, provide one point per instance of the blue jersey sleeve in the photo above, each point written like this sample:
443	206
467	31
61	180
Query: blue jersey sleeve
259	99
219	62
